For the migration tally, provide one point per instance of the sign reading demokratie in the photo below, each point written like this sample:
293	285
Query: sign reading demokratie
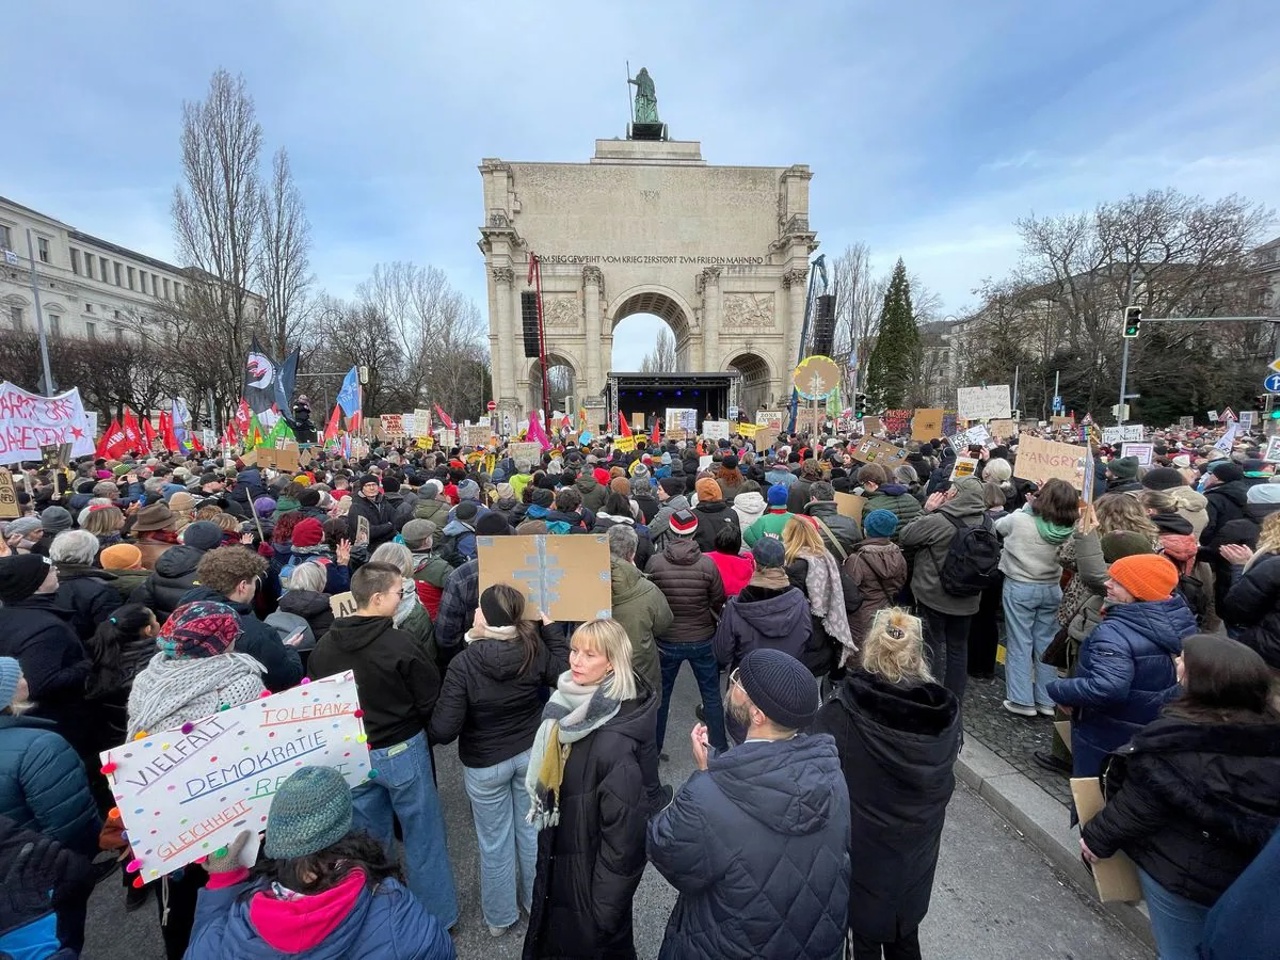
588	258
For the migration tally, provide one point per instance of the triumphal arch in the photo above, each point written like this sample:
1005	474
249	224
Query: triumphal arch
721	253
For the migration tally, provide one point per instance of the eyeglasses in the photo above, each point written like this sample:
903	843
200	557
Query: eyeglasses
733	677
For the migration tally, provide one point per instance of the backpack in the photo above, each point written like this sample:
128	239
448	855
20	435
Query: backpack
972	563
1194	593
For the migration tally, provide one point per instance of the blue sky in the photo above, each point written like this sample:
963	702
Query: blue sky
930	125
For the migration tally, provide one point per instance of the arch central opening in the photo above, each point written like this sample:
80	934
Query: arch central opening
650	334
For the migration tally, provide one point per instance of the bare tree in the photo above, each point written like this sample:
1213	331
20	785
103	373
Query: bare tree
859	295
662	358
282	268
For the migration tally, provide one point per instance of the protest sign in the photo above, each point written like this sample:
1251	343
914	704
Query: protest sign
715	429
1133	433
895	422
871	450
871	425
284	459
1246	420
704	462
747	430
184	793
681	419
1039	460
408	424
1272	455
343	604
926	424
1062	421
421	422
974	436
479	435
449	438
8	497
625	444
637	421
965	467
984	403
392	424
29	421
525	451
1213	416
565	577
770	418
1186	423
765	438
1116	876
850	505
1145	452
1002	429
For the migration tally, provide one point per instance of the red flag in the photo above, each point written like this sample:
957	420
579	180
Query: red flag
229	434
149	432
624	428
566	423
331	428
170	438
243	418
656	438
133	436
105	441
114	443
444	418
194	439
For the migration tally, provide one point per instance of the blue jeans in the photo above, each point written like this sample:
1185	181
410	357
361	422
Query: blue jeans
702	658
1030	626
404	786
1176	922
508	842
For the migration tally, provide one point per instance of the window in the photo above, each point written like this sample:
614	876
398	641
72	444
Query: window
91	330
88	308
42	246
115	314
142	280
119	334
103	273
6	237
88	265
75	261
117	274
166	288
130	272
15	317
55	325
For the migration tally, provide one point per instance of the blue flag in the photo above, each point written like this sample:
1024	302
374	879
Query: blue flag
349	395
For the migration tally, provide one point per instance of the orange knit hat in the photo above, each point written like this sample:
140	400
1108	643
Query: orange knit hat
1146	576
708	490
121	556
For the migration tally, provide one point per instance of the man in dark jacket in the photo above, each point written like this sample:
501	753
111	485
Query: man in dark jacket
637	604
1225	489
398	687
370	504
839	533
174	575
232	575
1122	476
692	585
84	589
756	842
713	512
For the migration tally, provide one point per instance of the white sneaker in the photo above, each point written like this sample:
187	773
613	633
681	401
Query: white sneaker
498	931
1043	710
1020	709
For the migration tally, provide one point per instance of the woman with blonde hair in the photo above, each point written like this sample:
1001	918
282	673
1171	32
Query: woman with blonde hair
587	795
833	596
104	521
898	735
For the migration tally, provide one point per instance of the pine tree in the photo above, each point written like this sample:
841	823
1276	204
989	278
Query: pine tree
892	367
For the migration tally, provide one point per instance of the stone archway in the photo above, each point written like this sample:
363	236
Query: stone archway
754	390
668	306
564	376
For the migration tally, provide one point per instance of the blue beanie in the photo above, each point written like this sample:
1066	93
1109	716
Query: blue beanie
769	552
781	686
777	495
311	811
880	523
9	674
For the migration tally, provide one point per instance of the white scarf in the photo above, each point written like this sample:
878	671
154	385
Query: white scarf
169	693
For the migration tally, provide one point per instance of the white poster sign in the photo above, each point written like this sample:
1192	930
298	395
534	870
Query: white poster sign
1145	452
1213	416
1131	433
681	418
984	403
29	421
979	435
1246	420
421	422
1273	450
184	793
715	429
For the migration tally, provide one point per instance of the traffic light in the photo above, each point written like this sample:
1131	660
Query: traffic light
1132	318
859	406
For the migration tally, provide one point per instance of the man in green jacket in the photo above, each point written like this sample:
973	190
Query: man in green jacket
774	520
638	604
882	494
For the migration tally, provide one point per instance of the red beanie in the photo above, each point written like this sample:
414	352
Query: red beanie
308	533
601	475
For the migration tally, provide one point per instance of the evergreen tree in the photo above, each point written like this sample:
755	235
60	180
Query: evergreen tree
894	360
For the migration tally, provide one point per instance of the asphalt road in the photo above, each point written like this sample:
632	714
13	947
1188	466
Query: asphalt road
995	897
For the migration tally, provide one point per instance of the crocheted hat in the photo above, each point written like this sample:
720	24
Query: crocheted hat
1146	576
781	686
311	811
198	630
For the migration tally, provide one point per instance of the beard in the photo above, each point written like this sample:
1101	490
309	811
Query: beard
740	713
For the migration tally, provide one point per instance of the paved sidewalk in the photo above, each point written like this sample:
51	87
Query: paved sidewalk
1010	737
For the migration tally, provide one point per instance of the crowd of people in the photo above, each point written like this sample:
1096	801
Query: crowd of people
831	640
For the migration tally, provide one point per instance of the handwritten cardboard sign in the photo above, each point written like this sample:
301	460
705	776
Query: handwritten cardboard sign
1039	460
871	425
479	435
871	450
1002	428
926	424
526	451
421	422
965	467
392	424
567	577
850	505
983	403
715	429
343	604
284	459
182	795
765	438
770	418
8	497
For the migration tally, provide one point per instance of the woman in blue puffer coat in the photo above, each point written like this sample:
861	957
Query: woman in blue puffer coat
1126	672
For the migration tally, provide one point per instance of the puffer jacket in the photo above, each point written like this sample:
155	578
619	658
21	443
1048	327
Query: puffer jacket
1242	923
487	703
38	634
593	494
879	569
844	530
363	922
1252	607
1196	803
437	511
89	594
590	863
691	583
173	578
926	541
898	744
1125	674
897	499
644	613
43	785
757	846
312	607
749	507
1225	502
763	616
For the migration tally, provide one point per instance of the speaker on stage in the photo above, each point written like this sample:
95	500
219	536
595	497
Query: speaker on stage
824	324
529	319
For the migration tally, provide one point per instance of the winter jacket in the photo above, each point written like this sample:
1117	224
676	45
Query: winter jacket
458	605
488	704
283	667
895	498
644	545
1193	507
402	508
926	541
89	594
43	785
1243	922
648	505
771	524
749	507
38	634
757	847
590	863
1125	674
172	579
506	508
395	679
48	877
238	921
1027	556
437	511
712	515
593	494
1252	607
380	514
458	543
1225	502
127	581
879	570
644	613
430	572
312	607
1197	802
898	744
840	533
693	588
661	525
735	570
761	616
780	475
1245	528
820	652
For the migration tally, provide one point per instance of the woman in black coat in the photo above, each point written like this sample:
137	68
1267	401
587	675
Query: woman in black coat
85	591
1196	795
591	845
898	735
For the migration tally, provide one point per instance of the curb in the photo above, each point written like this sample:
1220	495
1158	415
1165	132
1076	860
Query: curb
1043	821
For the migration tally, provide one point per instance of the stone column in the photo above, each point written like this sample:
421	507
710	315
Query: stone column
505	369
709	283
795	281
593	288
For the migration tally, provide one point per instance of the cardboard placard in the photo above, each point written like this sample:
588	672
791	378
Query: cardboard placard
926	424
1002	429
526	451
392	424
479	435
965	467
871	450
421	422
567	577
1064	731
343	604
770	418
1116	877
56	456
183	795
284	459
1039	460
448	438
984	403
871	425
1145	452
8	497
765	438
850	505
1186	423
715	429
1062	421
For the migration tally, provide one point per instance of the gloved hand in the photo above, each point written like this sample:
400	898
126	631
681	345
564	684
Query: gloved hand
226	859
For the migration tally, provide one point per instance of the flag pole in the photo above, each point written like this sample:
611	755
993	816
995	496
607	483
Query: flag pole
35	294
